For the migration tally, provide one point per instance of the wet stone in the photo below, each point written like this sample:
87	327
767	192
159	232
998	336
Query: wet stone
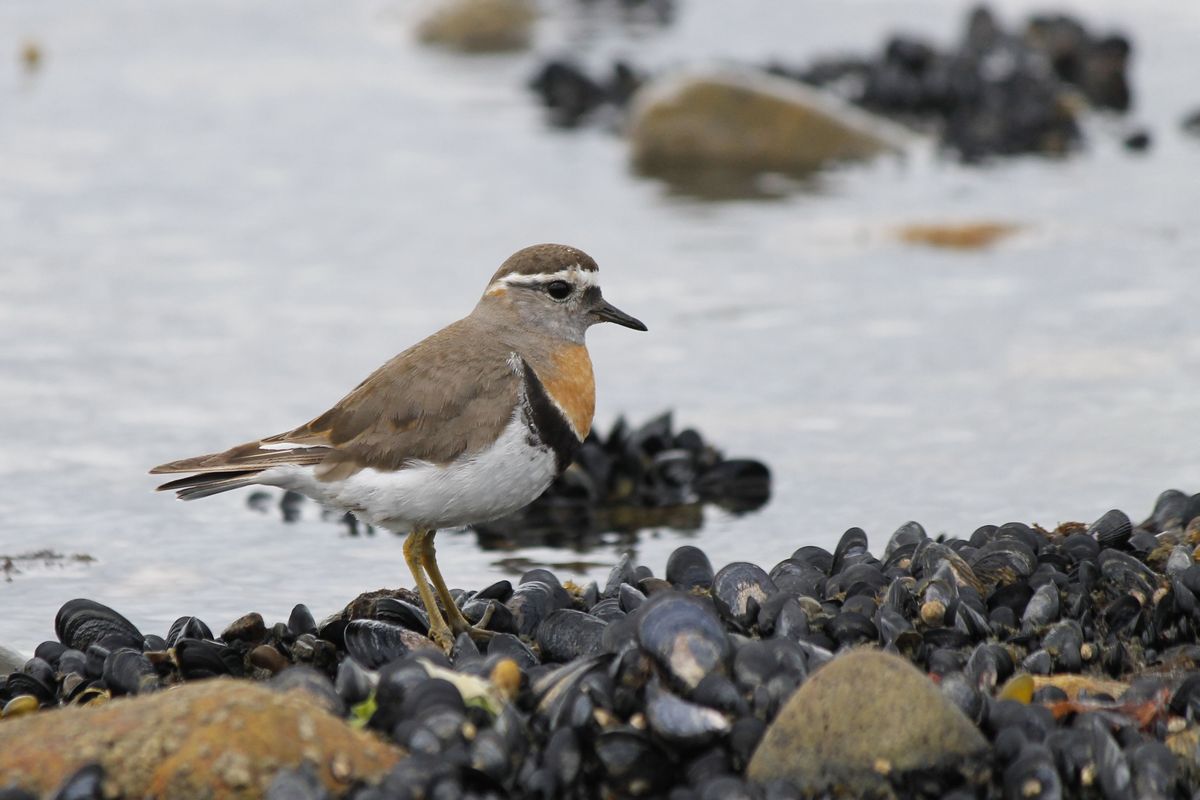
249	629
861	708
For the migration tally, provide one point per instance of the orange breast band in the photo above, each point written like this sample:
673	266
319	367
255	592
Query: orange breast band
571	385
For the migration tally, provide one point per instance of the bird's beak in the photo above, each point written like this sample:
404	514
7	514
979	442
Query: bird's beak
607	312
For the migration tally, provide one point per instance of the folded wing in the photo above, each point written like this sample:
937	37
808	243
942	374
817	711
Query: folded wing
428	404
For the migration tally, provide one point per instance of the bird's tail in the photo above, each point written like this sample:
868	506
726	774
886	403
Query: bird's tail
205	484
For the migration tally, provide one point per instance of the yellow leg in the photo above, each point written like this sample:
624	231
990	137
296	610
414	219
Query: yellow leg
414	548
458	623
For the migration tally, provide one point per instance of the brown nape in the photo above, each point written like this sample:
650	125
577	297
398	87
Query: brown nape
545	259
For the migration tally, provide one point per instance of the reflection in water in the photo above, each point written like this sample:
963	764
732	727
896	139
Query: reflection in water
718	184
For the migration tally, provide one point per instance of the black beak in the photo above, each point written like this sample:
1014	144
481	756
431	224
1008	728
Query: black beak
607	312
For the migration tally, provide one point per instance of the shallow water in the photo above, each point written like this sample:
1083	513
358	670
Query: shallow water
215	219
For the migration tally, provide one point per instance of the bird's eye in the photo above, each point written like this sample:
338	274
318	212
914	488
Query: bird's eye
559	290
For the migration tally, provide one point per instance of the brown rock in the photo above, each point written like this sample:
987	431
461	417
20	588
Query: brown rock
249	629
214	739
748	119
480	26
862	718
267	657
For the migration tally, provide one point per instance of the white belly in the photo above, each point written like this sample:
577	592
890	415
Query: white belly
495	482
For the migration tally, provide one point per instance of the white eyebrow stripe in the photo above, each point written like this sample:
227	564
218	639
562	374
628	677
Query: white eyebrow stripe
580	277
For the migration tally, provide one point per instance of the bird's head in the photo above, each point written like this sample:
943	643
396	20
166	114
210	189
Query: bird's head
552	289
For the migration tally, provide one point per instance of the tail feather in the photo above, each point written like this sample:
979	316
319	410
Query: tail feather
206	484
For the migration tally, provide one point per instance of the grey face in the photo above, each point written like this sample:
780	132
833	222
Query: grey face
564	304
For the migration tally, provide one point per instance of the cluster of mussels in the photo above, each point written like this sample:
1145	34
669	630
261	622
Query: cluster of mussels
997	92
630	479
1074	651
634	478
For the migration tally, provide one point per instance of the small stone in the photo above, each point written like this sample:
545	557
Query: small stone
1138	141
267	657
864	707
1191	123
249	629
31	55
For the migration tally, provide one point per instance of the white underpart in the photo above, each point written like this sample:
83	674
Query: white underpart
507	476
575	275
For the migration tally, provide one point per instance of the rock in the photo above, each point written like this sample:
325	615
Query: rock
31	56
480	26
10	660
1138	141
219	738
1191	123
249	628
864	717
747	119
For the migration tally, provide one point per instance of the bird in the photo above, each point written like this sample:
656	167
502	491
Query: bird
470	424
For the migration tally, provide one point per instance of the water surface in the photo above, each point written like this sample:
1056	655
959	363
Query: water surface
215	219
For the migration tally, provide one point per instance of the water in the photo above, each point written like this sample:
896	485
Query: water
215	219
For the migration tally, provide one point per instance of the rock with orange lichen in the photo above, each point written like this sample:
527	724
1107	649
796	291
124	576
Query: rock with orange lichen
214	739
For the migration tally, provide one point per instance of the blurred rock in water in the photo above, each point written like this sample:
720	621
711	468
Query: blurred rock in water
1191	123
480	26
997	92
748	119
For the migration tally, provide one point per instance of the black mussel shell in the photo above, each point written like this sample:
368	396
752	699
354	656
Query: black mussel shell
81	622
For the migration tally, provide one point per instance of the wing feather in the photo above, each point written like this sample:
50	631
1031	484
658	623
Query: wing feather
433	403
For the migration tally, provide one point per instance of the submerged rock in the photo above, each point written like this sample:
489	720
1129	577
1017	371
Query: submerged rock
480	26
213	739
744	118
863	719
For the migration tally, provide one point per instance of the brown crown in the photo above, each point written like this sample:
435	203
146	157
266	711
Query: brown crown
545	259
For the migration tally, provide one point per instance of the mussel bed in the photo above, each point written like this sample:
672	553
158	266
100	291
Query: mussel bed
1074	651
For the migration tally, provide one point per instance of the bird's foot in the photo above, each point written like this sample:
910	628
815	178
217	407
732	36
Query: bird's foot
443	633
478	631
442	636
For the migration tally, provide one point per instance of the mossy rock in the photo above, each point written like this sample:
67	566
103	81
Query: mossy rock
216	739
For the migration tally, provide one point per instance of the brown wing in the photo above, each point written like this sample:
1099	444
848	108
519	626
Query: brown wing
433	402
